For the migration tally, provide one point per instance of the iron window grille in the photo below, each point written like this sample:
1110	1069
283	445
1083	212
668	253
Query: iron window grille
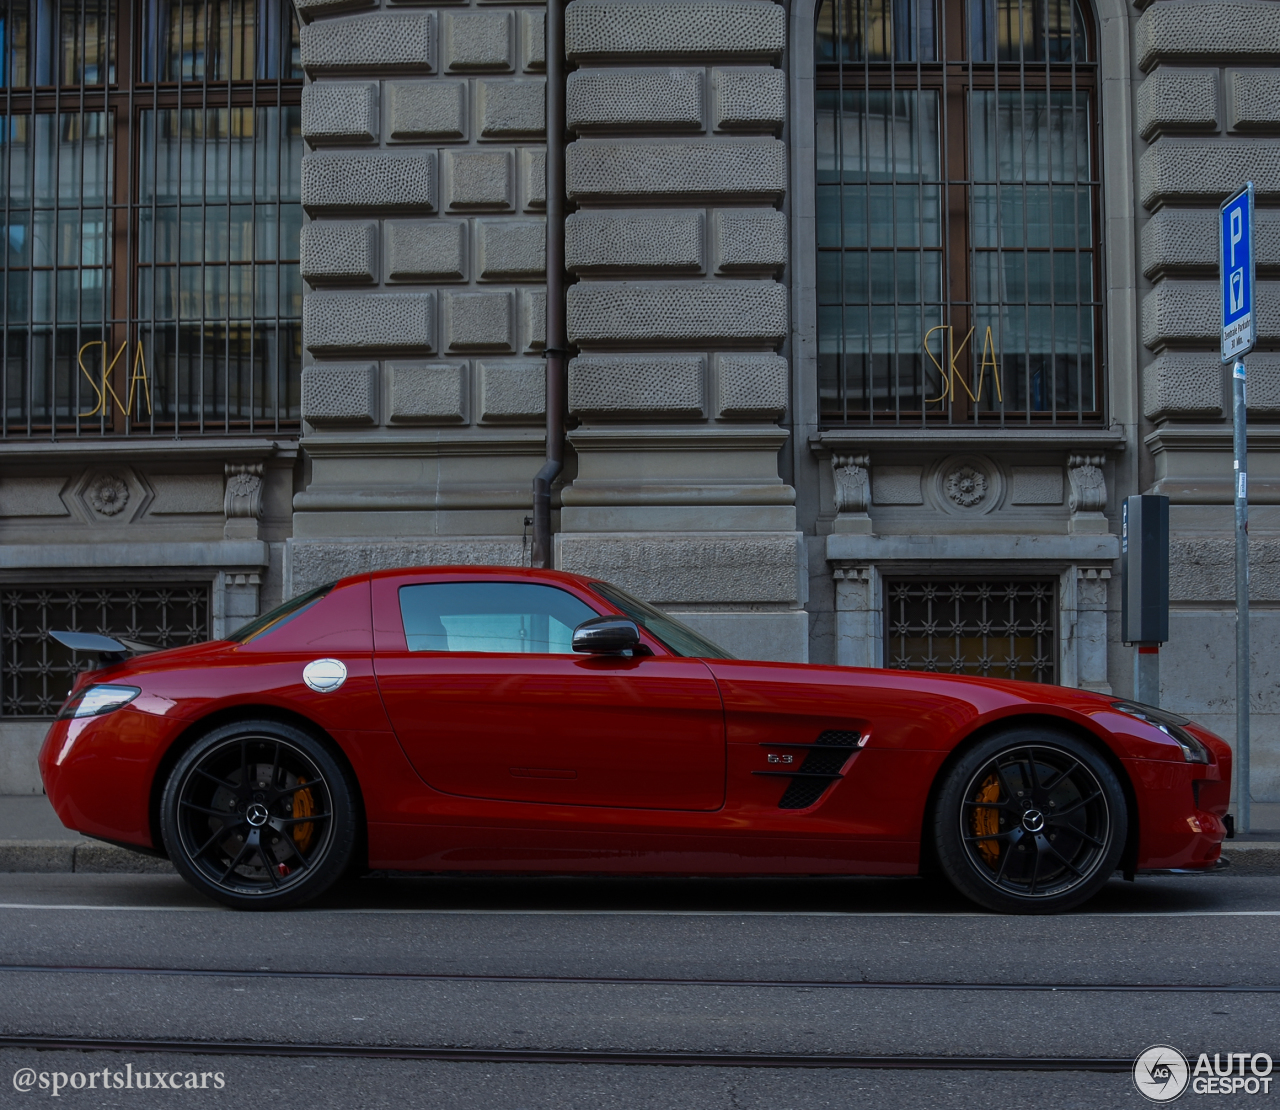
958	213
997	628
150	154
36	671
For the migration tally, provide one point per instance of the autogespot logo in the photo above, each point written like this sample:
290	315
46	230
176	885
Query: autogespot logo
1161	1073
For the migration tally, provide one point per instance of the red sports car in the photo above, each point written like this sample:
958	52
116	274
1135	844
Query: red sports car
462	719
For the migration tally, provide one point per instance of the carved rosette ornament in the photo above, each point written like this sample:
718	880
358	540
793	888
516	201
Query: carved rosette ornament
243	496
853	488
108	494
966	486
1088	485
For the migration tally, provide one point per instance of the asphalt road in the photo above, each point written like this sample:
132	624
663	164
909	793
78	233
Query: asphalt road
715	993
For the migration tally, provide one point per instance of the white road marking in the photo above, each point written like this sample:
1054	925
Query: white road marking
641	913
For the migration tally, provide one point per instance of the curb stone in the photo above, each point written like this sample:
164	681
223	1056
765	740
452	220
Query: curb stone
1261	858
85	856
96	857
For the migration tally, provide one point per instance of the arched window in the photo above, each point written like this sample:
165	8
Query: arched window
958	213
150	157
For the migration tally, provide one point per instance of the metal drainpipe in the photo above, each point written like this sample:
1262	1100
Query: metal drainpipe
557	341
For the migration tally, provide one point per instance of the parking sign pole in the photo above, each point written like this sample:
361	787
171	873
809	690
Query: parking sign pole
1241	441
1239	333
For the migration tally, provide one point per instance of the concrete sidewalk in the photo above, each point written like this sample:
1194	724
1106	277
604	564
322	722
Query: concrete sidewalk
33	839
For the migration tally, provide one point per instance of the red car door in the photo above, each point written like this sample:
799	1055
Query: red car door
489	701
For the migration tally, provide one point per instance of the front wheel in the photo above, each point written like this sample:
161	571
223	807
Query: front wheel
259	815
1030	821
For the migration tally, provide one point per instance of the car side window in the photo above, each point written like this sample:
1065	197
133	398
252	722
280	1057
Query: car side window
509	617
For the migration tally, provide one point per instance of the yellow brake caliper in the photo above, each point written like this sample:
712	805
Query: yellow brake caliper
303	806
986	822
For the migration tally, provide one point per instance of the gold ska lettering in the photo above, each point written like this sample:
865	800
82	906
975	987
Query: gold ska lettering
102	386
953	373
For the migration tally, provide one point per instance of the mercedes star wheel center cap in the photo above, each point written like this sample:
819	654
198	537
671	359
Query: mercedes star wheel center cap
1033	821
257	815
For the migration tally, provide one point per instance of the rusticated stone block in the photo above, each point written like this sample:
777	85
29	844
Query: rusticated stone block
386	182
339	252
614	170
480	321
691	567
381	43
426	250
746	30
511	250
533	33
371	322
511	109
317	562
1035	485
659	241
533	320
477	42
1189	313
1174	170
513	391
748	99
309	9
1181	312
1183	385
1264	384
335	393
1180	240
1185	241
476	180
648	99
340	112
896	485
751	386
749	239
634	386
1193	32
426	110
427	392
1178	100
607	313
1202	568
1255	100
533	176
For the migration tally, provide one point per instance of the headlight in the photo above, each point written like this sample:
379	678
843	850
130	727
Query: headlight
96	700
1171	725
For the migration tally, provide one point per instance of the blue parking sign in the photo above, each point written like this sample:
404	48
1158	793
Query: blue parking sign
1239	323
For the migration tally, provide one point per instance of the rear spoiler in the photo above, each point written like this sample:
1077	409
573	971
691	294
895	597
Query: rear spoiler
108	650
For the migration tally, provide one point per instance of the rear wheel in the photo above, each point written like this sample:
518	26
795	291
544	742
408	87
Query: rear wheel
1030	821
259	815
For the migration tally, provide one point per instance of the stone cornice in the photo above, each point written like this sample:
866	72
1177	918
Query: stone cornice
144	450
1210	437
425	443
854	440
696	437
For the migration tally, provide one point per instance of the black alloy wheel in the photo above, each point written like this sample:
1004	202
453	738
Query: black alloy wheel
259	815
1030	821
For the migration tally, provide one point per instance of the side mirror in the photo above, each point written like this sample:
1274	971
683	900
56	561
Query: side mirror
606	635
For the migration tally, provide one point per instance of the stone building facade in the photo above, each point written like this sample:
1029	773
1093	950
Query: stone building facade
753	443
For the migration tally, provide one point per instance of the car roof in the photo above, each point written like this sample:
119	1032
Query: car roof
478	572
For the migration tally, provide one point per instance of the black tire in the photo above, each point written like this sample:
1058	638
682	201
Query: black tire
260	816
1030	821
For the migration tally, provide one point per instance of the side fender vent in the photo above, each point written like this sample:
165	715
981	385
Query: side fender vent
822	765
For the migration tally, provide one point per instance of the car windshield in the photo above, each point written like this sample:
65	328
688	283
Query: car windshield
281	615
678	638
